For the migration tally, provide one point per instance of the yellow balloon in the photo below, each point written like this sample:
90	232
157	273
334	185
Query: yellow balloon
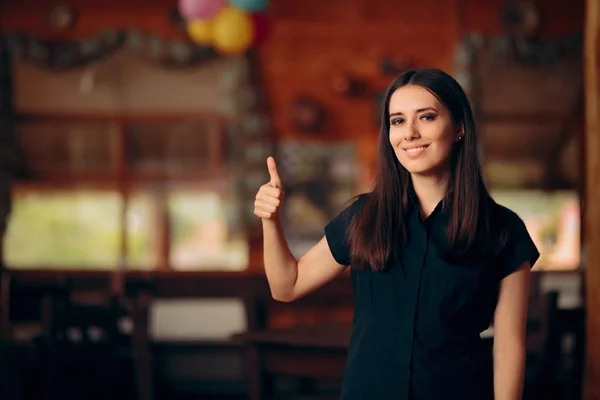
201	31
233	31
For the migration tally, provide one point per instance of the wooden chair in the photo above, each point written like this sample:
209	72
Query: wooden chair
24	339
93	359
10	381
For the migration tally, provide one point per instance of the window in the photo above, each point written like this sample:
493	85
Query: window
142	193
553	220
72	229
56	149
194	229
205	231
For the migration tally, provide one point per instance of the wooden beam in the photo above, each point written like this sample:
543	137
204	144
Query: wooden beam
592	199
571	127
91	20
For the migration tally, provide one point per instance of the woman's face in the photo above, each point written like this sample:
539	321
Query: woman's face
422	132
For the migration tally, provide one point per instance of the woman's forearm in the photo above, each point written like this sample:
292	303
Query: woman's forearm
281	267
509	371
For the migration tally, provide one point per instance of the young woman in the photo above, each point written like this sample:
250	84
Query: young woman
434	260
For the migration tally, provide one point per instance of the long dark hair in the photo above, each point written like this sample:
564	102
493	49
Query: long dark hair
378	231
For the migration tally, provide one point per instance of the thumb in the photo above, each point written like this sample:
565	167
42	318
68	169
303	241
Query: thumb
275	179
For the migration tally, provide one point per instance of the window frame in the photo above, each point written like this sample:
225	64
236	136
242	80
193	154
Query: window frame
126	181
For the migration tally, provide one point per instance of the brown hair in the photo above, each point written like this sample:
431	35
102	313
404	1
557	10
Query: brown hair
378	231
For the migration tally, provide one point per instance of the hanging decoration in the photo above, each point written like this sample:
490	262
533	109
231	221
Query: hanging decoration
521	18
249	5
522	42
230	27
262	28
65	55
200	31
232	31
200	9
214	27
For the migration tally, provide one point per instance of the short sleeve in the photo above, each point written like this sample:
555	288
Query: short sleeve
336	231
519	246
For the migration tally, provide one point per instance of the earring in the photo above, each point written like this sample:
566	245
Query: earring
460	137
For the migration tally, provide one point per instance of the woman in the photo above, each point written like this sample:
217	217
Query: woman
434	260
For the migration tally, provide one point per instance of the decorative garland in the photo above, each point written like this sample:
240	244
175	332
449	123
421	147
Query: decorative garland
525	52
66	55
215	27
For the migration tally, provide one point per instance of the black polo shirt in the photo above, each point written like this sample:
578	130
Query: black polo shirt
416	328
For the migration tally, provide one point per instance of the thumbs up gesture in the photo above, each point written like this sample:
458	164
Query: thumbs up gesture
270	195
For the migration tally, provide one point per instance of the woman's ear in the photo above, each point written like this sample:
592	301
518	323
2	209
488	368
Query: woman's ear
460	132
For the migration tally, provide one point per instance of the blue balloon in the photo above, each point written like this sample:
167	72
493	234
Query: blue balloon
250	5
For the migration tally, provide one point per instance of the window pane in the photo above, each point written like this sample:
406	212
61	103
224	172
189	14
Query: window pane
553	220
64	230
173	147
77	147
141	231
205	232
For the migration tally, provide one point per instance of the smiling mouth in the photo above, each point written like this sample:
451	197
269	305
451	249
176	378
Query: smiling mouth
416	150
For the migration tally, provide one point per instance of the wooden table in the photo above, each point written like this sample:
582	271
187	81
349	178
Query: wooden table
316	352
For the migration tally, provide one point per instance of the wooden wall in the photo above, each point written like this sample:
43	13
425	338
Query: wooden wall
92	16
313	41
592	197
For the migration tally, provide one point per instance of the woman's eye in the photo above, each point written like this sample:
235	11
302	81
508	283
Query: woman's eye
428	117
397	121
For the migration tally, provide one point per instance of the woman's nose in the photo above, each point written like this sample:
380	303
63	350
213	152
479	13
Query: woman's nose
412	131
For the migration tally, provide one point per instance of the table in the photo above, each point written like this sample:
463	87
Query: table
317	352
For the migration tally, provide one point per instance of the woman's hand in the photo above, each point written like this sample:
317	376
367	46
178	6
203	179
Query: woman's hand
270	195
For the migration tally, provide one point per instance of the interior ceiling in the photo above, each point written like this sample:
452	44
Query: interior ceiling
524	112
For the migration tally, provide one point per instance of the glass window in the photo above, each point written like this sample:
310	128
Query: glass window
173	147
553	220
142	233
74	229
206	232
196	229
54	148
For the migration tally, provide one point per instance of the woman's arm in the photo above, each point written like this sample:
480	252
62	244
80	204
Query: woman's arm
509	334
289	279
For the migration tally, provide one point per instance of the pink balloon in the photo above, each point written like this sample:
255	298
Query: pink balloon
262	27
200	9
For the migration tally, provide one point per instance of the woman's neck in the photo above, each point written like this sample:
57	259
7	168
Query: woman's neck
430	190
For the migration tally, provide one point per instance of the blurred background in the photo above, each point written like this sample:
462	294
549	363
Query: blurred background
134	136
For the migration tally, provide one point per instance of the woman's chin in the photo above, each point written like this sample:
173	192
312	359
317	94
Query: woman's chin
423	169
416	167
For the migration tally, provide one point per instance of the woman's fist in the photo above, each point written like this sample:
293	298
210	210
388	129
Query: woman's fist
270	195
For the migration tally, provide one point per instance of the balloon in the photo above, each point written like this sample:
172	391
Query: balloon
200	31
262	27
233	31
200	9
250	5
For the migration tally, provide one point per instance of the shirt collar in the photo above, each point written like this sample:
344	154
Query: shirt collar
443	208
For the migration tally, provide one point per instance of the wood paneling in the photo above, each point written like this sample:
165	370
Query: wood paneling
592	198
93	16
312	43
91	21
